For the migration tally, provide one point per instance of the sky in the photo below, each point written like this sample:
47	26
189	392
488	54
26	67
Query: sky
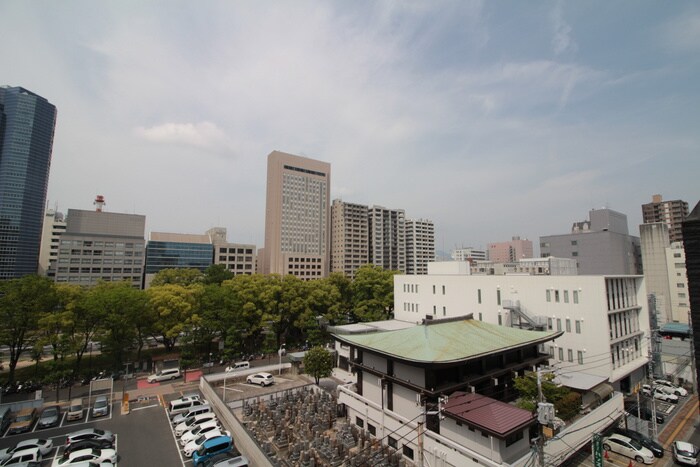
492	119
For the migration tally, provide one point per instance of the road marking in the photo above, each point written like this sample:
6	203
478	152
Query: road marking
688	415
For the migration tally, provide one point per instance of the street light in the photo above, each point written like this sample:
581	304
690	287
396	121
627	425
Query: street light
281	352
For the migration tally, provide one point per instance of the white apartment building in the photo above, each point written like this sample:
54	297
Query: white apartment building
238	258
387	238
605	319
469	254
349	237
420	245
53	228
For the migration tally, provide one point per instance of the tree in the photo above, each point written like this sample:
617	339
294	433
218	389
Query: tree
177	276
527	388
318	362
373	293
173	306
217	274
22	302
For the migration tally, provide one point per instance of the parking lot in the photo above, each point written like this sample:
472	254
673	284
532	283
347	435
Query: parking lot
145	436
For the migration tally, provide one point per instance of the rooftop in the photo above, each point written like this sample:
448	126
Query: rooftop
490	415
446	342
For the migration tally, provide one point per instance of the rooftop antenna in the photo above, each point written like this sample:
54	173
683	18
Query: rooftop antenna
99	203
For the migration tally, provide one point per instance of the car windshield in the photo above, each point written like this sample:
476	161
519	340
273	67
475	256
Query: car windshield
99	432
101	403
685	453
74	408
23	418
635	444
50	412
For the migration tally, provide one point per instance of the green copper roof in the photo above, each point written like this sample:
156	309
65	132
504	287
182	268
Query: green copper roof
447	342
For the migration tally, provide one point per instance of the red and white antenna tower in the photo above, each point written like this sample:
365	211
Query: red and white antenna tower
99	202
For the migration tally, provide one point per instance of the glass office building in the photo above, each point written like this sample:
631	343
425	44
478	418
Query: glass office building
27	123
167	255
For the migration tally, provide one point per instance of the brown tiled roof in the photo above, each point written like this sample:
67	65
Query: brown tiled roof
490	415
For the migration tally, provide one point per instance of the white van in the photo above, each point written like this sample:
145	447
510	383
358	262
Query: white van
238	367
164	375
178	407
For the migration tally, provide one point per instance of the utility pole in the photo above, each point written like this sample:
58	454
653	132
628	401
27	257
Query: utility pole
420	432
545	413
692	355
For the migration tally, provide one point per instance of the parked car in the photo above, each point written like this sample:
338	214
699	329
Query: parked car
191	412
23	457
211	448
83	455
101	407
199	430
263	379
195	444
662	395
75	410
677	390
43	445
87	444
628	447
650	444
50	416
23	421
90	433
164	375
178	407
685	453
193	421
230	459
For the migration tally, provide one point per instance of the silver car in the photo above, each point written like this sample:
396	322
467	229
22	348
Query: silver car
101	407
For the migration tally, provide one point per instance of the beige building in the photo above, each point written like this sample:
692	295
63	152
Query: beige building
349	237
507	252
297	216
387	238
53	228
665	273
671	213
239	258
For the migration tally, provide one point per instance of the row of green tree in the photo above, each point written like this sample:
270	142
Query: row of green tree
196	311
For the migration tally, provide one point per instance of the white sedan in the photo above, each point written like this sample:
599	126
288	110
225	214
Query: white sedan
87	455
677	390
199	430
192	422
263	379
44	446
662	395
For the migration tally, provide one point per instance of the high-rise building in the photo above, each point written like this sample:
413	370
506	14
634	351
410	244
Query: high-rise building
600	245
297	216
508	252
167	250
670	213
27	123
103	246
54	226
349	237
420	245
387	238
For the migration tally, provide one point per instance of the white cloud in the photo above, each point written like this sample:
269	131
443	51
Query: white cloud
561	39
682	34
202	135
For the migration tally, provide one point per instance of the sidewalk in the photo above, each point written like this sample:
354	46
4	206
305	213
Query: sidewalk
682	424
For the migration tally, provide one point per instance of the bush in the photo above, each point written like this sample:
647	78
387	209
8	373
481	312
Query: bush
568	406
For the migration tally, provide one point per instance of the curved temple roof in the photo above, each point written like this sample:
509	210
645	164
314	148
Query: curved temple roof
447	342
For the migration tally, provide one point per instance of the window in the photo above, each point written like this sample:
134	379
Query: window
443	290
580	357
574	253
478	295
575	296
359	422
556	296
407	451
392	442
568	325
433	289
480	317
561	354
566	296
500	319
570	354
498	296
549	324
574	242
372	429
444	311
551	351
549	295
578	326
680	285
514	438
558	324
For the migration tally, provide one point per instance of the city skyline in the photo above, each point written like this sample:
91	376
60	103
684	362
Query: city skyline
492	120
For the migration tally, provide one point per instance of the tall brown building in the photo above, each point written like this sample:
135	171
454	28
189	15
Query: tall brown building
297	216
671	213
349	237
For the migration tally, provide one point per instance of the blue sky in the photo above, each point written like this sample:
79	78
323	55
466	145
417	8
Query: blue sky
492	119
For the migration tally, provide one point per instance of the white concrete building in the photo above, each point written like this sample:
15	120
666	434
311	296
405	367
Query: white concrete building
549	266
605	319
468	254
53	228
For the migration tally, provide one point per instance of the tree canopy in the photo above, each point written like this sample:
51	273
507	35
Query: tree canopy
318	362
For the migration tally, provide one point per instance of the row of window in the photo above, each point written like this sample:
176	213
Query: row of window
76	252
623	324
100	270
90	243
555	293
578	324
240	251
65	260
240	259
569	354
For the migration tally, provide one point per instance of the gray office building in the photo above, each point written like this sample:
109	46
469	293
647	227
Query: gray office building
27	123
103	246
600	245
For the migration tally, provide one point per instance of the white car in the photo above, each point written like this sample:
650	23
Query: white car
628	447
86	455
677	390
685	453
44	446
662	395
263	379
191	422
195	444
23	457
199	430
